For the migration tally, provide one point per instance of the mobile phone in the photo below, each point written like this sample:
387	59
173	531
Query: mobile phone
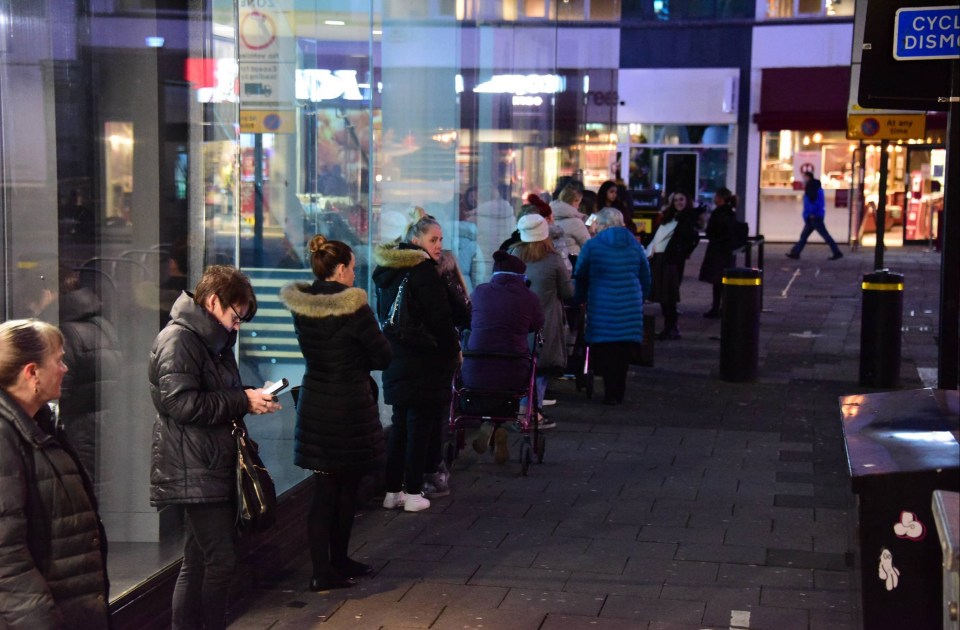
275	388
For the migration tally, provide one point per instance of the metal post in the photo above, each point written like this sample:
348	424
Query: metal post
881	216
740	325
947	364
257	201
881	320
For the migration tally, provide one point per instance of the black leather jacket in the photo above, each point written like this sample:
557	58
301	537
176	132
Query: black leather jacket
196	390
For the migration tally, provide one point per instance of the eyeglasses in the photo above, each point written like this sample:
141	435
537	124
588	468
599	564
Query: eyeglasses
236	317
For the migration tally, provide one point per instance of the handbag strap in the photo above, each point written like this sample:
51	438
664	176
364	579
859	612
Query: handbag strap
392	314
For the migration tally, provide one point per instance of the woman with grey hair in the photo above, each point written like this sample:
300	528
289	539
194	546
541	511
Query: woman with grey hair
612	276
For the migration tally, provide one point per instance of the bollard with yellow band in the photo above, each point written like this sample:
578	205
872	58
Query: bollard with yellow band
881	320
740	324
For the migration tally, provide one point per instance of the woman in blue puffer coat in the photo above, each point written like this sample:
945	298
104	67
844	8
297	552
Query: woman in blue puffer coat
612	276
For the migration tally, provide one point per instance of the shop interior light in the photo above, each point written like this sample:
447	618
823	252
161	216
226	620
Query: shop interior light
889	148
818	137
155	42
806	141
334	22
852	148
377	31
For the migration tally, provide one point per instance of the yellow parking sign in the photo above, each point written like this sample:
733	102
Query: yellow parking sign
886	126
266	121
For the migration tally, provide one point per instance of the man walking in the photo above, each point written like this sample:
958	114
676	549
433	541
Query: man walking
814	208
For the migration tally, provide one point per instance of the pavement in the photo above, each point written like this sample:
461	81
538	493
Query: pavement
696	504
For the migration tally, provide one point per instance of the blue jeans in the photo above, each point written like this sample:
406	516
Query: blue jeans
811	224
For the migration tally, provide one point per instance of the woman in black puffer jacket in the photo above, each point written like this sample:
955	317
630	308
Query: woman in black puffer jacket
196	390
339	436
52	548
417	382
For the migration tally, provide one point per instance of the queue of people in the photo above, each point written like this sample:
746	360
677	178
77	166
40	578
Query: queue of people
554	261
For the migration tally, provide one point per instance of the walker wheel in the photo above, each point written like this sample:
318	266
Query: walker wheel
525	459
541	446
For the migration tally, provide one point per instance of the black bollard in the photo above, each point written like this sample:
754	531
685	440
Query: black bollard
740	324
881	319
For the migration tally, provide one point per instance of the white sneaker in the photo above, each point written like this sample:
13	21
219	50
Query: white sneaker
549	402
394	500
415	503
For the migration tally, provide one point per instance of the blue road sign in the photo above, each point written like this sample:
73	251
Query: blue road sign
924	33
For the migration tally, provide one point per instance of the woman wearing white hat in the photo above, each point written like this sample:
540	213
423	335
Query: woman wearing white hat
550	280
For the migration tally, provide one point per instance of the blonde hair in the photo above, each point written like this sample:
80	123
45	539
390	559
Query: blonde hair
25	341
420	227
532	252
569	193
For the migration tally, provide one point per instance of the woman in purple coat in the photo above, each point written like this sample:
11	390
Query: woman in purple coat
505	312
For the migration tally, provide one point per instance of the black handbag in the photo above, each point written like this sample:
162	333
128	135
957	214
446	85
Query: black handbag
256	492
400	325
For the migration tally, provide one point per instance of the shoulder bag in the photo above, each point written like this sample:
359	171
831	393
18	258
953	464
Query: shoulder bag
256	493
400	325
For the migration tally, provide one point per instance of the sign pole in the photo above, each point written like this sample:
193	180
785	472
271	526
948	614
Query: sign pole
947	365
881	215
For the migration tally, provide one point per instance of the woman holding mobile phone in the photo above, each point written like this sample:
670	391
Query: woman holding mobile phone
339	436
195	385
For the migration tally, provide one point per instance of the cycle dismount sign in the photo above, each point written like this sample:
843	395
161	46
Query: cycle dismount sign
925	33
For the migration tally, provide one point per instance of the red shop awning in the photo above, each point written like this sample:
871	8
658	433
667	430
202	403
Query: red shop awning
804	99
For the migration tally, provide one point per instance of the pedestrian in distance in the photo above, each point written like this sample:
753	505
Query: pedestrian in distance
814	210
196	389
417	381
612	278
339	435
52	544
673	242
721	234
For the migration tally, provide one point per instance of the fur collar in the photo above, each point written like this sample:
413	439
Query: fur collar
299	300
390	255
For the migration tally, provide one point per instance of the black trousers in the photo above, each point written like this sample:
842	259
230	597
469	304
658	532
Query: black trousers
209	560
331	520
414	444
612	361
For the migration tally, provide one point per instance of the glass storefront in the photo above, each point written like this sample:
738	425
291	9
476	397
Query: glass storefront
850	174
140	142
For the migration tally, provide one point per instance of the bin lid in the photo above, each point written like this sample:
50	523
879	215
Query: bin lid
900	432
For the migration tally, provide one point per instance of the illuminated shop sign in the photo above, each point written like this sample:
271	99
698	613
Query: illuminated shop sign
320	84
526	88
522	84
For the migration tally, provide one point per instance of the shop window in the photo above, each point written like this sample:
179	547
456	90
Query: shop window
809	8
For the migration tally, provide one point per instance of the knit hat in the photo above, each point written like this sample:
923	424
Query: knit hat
502	261
533	228
543	208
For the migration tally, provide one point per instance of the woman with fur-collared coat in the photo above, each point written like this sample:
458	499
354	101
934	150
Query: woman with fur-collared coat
417	381
339	436
52	560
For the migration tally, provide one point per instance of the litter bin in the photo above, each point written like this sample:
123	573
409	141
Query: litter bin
900	448
740	324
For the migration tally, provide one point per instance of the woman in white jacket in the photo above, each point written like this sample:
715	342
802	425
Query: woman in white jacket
567	216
